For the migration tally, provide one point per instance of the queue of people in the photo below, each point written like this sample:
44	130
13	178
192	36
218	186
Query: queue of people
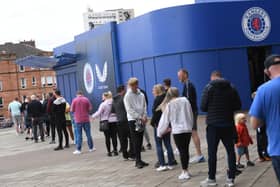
124	117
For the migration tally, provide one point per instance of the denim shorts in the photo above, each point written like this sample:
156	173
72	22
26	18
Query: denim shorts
242	150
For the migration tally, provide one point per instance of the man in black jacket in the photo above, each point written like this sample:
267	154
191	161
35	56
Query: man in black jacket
220	100
59	108
35	111
189	92
123	128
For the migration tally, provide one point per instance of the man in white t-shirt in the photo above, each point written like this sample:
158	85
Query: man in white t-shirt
15	113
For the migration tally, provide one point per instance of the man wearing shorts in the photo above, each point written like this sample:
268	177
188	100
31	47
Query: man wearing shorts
189	92
15	113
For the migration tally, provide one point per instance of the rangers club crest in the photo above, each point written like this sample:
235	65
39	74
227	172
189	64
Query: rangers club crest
256	24
88	78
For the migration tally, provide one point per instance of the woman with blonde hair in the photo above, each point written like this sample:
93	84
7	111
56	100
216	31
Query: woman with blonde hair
107	115
159	93
177	112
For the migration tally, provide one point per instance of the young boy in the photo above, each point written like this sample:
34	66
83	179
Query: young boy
244	140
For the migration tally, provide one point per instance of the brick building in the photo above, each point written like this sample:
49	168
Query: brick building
18	81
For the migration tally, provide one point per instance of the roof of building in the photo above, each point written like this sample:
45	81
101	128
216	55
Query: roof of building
20	49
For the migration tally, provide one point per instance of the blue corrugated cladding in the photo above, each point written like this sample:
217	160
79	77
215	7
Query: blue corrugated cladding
201	38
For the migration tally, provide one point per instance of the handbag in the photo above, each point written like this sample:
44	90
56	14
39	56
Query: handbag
139	126
103	125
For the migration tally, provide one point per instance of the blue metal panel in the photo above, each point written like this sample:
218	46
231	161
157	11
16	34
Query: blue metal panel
189	28
200	65
126	71
150	79
138	72
276	49
234	65
167	67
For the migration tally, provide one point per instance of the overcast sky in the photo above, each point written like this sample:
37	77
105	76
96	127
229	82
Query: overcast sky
55	22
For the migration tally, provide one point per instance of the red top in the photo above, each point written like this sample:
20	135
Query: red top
244	139
81	107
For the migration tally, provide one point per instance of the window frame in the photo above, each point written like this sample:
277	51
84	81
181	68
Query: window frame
23	86
1	105
21	68
34	81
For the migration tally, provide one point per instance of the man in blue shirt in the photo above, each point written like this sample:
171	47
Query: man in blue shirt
266	109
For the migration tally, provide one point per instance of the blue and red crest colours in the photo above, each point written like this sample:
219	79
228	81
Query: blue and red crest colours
256	24
88	78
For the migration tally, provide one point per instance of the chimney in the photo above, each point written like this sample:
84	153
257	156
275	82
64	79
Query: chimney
30	43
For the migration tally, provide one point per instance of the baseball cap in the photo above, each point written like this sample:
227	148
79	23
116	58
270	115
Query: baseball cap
271	60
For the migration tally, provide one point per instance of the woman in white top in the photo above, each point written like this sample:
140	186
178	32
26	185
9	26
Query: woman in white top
105	113
177	111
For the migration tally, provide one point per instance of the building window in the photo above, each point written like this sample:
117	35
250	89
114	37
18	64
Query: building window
1	102
23	83
1	86
49	80
21	68
43	81
33	81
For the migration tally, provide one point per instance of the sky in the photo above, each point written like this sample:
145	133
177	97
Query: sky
55	22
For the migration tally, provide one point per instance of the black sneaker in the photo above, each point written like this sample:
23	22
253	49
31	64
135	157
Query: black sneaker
58	148
237	172
115	153
109	154
250	163
139	165
149	146
143	149
240	166
26	138
144	163
67	146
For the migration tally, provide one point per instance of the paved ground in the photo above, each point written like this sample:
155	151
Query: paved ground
23	163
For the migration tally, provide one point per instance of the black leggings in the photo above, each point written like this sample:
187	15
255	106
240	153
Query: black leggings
111	134
182	142
61	127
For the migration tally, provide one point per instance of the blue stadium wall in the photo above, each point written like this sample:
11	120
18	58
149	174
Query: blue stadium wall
201	38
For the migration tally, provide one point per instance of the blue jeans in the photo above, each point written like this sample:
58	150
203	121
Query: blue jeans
75	131
166	140
276	166
86	127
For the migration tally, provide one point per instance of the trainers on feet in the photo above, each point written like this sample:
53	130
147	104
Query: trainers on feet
250	163
149	146
170	168
197	159
240	166
184	176
92	150
229	183
161	168
208	182
77	152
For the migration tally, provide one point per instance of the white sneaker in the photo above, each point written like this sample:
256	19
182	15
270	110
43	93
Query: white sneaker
229	183
208	182
77	152
92	150
184	176
170	168
197	159
162	168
